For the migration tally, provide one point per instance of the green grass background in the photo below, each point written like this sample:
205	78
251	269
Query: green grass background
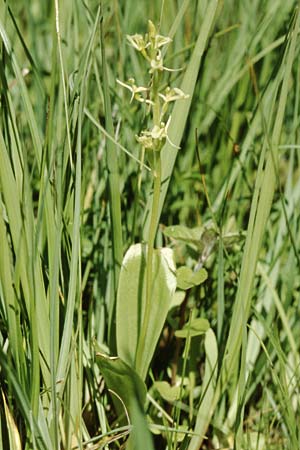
74	197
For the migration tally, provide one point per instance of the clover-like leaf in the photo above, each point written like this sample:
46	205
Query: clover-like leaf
196	327
187	278
167	392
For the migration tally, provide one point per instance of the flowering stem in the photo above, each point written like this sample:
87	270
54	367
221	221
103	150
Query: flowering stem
156	101
152	141
149	265
152	230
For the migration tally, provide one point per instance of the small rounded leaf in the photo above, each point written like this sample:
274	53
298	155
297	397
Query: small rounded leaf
194	328
177	299
167	392
187	278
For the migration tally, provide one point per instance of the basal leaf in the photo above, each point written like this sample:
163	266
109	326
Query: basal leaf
131	300
122	380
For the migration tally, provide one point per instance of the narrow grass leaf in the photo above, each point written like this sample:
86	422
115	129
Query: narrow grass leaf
114	191
209	387
258	219
11	305
13	432
42	440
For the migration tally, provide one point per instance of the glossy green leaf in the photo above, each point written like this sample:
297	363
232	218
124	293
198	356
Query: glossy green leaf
194	328
131	302
187	278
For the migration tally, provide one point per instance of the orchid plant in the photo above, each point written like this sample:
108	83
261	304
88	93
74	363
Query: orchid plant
152	139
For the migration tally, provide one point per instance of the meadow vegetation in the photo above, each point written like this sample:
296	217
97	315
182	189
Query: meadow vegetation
149	225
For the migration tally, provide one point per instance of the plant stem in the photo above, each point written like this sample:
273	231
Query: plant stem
152	230
151	239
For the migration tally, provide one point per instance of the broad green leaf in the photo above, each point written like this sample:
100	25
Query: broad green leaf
131	302
194	328
140	437
122	380
167	392
187	278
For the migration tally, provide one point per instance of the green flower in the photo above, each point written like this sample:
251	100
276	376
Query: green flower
138	42
157	63
149	44
135	90
160	41
146	140
156	40
173	94
155	138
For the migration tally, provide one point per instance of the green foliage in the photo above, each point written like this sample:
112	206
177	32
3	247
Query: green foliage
131	304
187	279
194	328
149	263
123	381
167	392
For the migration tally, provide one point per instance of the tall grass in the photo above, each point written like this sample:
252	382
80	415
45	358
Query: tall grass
76	193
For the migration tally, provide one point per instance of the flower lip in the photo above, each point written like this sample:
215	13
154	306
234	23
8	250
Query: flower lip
173	94
135	90
160	41
138	42
155	138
